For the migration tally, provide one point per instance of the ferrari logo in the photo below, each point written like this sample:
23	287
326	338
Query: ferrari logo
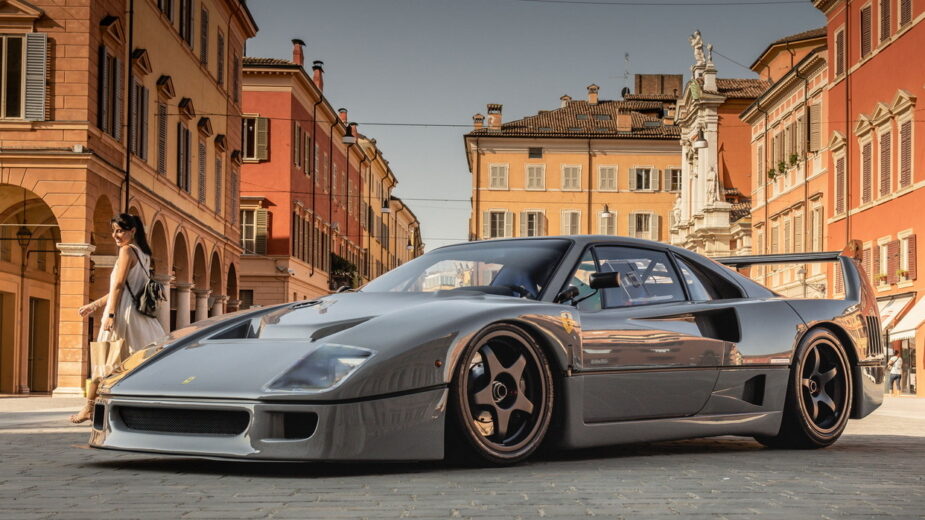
188	380
568	323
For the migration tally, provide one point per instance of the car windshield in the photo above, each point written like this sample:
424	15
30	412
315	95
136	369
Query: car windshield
516	268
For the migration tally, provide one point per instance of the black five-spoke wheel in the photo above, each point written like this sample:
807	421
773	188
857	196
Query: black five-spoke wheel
502	395
819	396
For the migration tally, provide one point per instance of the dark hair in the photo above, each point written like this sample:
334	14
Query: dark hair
126	222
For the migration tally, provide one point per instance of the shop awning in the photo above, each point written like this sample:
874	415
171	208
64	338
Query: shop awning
905	329
892	307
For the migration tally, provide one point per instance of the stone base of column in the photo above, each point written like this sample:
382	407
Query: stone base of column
67	391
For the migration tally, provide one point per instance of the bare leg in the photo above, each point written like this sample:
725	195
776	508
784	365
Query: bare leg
86	413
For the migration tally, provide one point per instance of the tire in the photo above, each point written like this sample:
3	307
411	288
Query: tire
501	398
819	395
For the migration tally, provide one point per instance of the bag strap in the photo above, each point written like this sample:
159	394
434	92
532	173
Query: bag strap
129	287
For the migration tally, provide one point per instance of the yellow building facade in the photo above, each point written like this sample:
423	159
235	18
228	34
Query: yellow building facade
589	167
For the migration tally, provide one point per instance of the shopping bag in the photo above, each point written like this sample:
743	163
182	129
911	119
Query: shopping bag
105	356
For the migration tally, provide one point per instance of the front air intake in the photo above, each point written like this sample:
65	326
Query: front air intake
874	336
184	420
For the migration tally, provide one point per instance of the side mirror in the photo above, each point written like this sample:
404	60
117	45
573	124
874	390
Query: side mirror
570	293
604	280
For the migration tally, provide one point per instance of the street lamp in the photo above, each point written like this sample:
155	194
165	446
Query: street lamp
349	137
23	237
701	141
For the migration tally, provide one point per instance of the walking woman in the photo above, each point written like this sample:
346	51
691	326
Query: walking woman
121	320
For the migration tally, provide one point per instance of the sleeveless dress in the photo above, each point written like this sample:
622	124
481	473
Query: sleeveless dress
135	328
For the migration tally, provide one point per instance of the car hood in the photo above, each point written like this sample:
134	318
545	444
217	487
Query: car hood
410	330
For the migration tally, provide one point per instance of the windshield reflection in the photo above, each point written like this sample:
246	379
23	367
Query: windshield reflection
515	268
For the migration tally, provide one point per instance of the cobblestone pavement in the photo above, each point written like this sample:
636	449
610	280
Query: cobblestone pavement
876	470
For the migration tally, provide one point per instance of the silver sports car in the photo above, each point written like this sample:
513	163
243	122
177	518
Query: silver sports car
493	348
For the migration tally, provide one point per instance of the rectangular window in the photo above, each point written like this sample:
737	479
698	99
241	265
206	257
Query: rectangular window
798	233
866	180
788	237
186	21
202	172
904	259
883	263
110	92
220	59
816	229
183	157
535	153
642	179
166	7
607	223
840	53
498	178
235	78
649	277
885	19
775	238
905	12
866	42
138	104
571	222
532	224
839	185
536	176
674	176
296	141
248	231
307	150
886	158
255	139
219	176
161	138
608	178
204	36
905	154
571	177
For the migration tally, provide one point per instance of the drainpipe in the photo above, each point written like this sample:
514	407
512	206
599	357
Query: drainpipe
764	177
805	147
590	186
330	241
311	235
129	120
478	180
847	119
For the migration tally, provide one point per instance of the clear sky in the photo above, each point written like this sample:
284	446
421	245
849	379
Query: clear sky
401	65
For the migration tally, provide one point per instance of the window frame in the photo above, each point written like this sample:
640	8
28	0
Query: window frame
542	176
505	175
564	184
600	177
670	264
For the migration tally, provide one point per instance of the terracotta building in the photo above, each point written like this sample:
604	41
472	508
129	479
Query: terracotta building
711	214
789	180
592	166
315	194
111	114
876	176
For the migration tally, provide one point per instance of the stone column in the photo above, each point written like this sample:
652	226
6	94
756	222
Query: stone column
233	305
218	307
163	311
202	303
183	303
73	331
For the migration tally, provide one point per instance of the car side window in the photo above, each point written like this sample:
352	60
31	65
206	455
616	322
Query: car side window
646	276
695	286
588	299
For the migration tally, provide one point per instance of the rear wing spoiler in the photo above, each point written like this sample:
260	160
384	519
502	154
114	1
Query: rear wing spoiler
849	259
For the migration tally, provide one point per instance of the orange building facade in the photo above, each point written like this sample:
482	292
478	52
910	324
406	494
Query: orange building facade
876	169
588	167
113	111
316	205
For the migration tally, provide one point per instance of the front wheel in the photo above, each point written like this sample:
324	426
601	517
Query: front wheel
819	395
501	396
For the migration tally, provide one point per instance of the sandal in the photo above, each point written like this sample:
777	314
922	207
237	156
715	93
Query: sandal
84	415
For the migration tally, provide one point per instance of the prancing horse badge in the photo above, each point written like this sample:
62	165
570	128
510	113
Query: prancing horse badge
568	323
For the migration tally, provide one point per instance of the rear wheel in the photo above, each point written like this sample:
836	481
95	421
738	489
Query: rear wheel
501	397
819	395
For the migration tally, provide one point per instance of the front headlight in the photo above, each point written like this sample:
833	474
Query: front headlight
324	368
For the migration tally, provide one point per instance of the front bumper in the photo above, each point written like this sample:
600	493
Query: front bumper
404	427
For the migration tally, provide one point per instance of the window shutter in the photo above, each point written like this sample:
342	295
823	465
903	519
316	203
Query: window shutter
204	37
632	225
655	179
523	223
541	224
161	138
260	236
133	103
486	224
654	226
840	53
885	19
181	156
233	193
143	128
905	12
220	59
117	106
564	222
840	185
202	172
295	142
262	131
508	224
36	70
865	31
631	180
801	136
905	154
877	267
885	156
103	94
865	263
892	258
798	234
218	184
913	259
865	173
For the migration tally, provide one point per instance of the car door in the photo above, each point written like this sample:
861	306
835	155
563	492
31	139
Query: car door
648	350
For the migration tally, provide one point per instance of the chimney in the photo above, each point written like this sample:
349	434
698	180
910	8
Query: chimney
478	122
318	74
624	122
592	94
564	100
342	112
297	57
494	116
